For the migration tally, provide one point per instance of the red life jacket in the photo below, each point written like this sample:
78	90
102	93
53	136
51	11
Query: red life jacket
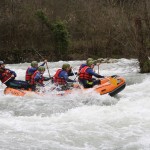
84	74
33	82
81	66
28	76
5	75
57	79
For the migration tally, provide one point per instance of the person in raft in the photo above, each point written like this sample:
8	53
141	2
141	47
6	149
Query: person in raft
85	64
86	73
61	77
96	62
30	70
8	76
37	78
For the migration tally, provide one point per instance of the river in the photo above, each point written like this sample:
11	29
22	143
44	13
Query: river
79	121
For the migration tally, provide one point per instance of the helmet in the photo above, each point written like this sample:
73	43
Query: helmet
41	68
1	62
89	59
91	62
34	63
65	66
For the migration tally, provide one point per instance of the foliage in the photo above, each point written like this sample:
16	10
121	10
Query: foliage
72	29
61	39
146	67
60	35
44	19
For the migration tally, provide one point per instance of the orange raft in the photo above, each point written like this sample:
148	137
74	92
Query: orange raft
111	85
18	92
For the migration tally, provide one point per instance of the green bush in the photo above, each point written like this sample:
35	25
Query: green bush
61	39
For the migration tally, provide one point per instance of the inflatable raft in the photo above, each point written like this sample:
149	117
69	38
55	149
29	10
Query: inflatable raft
19	92
110	85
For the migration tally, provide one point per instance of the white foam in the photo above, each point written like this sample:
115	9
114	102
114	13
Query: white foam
79	121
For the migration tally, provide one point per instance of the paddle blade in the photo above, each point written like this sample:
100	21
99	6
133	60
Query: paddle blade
113	81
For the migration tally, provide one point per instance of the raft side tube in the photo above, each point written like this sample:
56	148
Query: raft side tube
117	90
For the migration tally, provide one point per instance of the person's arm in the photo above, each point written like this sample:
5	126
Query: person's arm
37	77
31	70
42	64
12	72
91	72
64	75
47	78
69	80
72	74
0	76
45	61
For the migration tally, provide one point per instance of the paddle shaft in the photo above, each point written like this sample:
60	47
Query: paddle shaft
7	80
98	69
46	62
47	83
48	70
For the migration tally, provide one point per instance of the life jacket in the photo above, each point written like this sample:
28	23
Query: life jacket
28	76
57	79
84	74
82	66
5	75
33	82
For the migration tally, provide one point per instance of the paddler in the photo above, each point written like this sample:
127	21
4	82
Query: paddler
8	76
86	73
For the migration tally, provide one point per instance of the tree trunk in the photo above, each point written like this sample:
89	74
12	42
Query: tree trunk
144	61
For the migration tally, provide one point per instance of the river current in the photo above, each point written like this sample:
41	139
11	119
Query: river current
79	121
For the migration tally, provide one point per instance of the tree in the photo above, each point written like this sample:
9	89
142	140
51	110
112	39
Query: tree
60	35
144	61
61	39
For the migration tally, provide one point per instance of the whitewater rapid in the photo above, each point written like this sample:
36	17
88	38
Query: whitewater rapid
86	121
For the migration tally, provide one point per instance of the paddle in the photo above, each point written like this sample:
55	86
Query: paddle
98	69
46	62
113	81
47	83
7	80
48	70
